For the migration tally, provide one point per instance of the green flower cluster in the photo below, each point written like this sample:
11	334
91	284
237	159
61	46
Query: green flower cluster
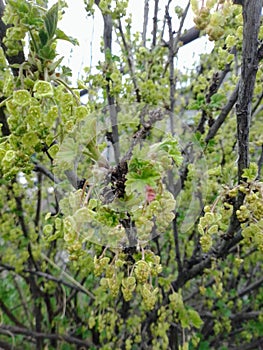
139	276
207	227
212	17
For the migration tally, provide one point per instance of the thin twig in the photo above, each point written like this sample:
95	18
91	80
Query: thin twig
130	61
70	278
155	116
39	201
42	169
260	163
177	247
41	335
223	114
177	38
155	22
9	314
111	100
171	69
145	21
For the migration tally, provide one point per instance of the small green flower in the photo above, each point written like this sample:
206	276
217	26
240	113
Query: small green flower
81	112
48	230
21	97
43	89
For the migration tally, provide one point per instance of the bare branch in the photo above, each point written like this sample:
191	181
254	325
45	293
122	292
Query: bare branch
155	115
177	247
223	114
251	17
250	288
42	169
257	104
49	277
38	335
111	100
155	22
39	201
178	36
260	163
205	261
9	314
5	345
176	41
145	21
216	82
189	36
254	344
130	61
171	68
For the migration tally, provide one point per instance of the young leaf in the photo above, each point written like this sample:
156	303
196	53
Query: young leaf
62	36
43	37
51	20
195	318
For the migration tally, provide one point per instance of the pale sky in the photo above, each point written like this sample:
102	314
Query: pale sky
88	31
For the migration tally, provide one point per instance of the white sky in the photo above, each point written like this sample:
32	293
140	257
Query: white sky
88	31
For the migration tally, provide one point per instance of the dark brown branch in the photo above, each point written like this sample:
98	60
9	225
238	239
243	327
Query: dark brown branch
155	22
178	36
107	35
145	21
204	262
50	278
21	217
177	247
171	68
9	314
216	82
260	163
251	18
23	301
39	335
43	170
254	344
244	316
175	44
5	346
190	35
39	201
250	288
155	116
257	104
130	62
223	114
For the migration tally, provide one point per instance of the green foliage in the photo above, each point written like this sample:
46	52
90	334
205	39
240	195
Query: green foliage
135	254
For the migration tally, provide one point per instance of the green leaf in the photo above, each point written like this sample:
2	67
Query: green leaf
195	318
141	173
62	36
67	152
170	146
55	64
47	53
250	173
51	20
204	345
217	100
43	36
